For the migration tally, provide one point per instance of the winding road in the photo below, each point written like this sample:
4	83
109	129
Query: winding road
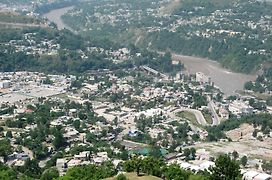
198	114
216	119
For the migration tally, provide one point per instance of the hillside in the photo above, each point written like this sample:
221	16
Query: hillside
235	33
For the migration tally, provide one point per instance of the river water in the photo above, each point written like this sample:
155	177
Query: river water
55	17
227	81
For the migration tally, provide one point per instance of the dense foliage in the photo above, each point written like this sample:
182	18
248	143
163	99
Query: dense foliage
226	168
262	120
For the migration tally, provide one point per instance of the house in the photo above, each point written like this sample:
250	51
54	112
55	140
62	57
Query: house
61	165
100	157
223	113
73	163
206	165
254	175
202	78
18	156
84	156
73	112
4	84
71	134
133	133
240	107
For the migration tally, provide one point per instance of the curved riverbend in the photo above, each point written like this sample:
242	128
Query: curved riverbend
55	17
229	82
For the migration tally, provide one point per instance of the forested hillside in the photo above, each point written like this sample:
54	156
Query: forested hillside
235	33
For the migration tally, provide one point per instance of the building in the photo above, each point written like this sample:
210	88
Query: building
254	175
4	84
223	113
202	78
84	156
238	107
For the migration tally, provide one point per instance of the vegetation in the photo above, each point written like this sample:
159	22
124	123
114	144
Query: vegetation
188	116
267	166
68	58
225	168
262	84
46	7
223	36
90	172
14	18
217	132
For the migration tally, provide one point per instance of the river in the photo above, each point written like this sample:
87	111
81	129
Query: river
55	17
227	81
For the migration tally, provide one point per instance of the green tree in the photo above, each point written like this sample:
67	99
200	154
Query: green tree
92	172
176	173
121	177
235	154
9	134
76	124
254	134
249	85
50	174
59	140
31	168
267	166
225	169
5	148
155	152
244	160
7	173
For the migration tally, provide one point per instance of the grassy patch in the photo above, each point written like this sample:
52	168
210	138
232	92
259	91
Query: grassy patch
188	116
208	117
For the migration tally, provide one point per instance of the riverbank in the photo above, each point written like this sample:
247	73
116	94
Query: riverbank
229	82
55	17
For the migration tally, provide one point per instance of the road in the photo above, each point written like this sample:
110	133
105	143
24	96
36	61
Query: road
198	114
23	25
216	119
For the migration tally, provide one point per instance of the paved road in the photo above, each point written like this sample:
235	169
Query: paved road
198	114
216	119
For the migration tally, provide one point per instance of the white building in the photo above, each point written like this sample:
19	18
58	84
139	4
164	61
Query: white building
223	113
239	107
202	78
4	84
254	175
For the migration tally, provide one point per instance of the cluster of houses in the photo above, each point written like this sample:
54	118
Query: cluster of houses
22	88
30	45
114	114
